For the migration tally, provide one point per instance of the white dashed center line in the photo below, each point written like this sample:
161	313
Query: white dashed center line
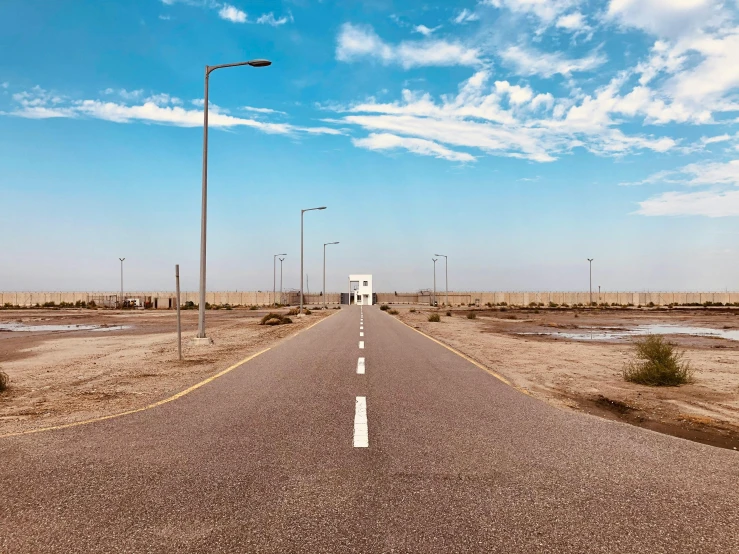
361	334
361	344
360	366
361	435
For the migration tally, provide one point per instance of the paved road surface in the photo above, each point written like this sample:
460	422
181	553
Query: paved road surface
264	460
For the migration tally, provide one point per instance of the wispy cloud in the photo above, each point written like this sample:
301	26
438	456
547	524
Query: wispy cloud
355	42
527	61
388	141
465	16
156	108
259	110
423	30
269	19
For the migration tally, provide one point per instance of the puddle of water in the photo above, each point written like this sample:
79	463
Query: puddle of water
653	329
22	328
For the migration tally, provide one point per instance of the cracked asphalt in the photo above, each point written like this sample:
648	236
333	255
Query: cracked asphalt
262	460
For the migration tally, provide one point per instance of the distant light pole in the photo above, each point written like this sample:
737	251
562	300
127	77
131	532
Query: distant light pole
434	260
324	271
446	279
301	253
204	213
598	294
122	260
281	260
274	278
591	281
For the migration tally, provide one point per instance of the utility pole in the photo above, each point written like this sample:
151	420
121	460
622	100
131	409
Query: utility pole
446	279
591	281
301	253
121	259
281	260
274	277
434	300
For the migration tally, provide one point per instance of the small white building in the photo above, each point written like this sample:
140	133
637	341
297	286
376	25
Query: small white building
360	289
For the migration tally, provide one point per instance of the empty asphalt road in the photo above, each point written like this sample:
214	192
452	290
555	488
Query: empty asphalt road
307	449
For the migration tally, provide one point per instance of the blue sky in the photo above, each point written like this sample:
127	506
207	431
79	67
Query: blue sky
519	137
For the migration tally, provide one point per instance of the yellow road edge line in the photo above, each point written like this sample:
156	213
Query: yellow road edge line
461	355
165	400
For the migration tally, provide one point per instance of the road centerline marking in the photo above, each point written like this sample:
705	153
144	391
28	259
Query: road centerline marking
360	366
361	334
361	344
361	432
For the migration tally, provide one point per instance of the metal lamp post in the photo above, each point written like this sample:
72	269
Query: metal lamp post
281	260
434	299
324	271
274	278
122	260
446	279
301	253
591	281
204	214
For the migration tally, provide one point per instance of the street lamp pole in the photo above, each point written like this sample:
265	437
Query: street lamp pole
446	279
434	299
281	260
274	278
121	259
301	253
324	271
204	210
591	281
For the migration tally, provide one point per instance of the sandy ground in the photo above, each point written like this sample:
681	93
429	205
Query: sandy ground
64	376
588	375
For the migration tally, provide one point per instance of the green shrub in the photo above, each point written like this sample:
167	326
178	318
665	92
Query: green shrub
384	307
449	314
393	312
658	364
434	318
553	305
471	315
4	381
412	310
253	307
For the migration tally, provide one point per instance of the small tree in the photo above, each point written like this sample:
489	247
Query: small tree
658	363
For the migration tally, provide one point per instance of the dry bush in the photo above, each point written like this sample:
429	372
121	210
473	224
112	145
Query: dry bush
471	315
4	381
434	318
384	307
658	363
393	312
292	311
449	314
275	319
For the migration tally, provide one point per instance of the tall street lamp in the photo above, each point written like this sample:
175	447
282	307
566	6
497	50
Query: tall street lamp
301	253
446	279
281	260
591	280
122	260
274	278
434	299
204	214
324	271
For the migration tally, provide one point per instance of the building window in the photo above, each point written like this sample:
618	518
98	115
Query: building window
366	283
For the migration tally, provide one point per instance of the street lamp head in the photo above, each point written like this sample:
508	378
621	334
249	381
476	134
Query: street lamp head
280	254
259	63
327	243
321	208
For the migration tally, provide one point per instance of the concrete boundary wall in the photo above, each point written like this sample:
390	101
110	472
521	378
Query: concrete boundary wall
251	298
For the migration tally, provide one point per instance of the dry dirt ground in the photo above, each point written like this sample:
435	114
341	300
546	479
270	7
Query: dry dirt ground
59	377
587	376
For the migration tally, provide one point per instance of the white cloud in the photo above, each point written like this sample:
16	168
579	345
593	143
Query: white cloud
165	17
159	108
465	16
705	203
713	140
425	31
232	13
546	64
667	18
574	22
5	85
356	42
388	141
269	19
256	110
720	199
545	10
